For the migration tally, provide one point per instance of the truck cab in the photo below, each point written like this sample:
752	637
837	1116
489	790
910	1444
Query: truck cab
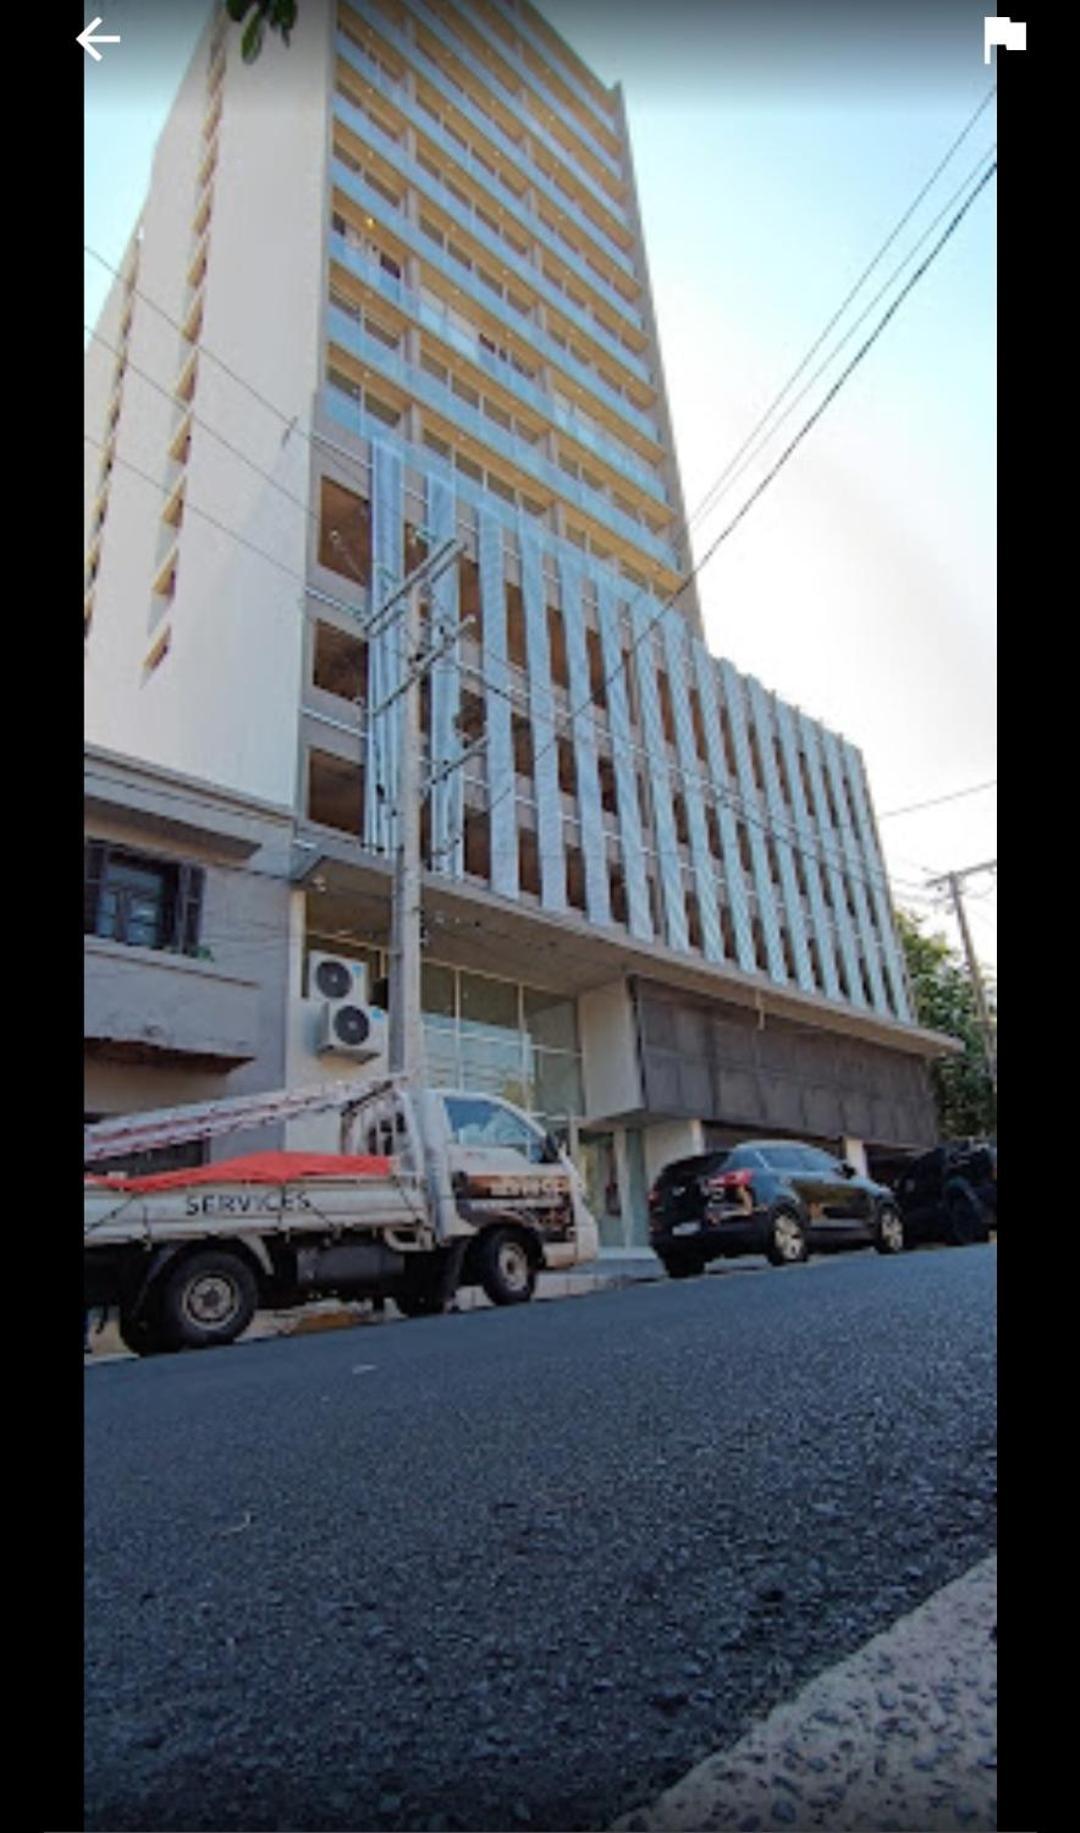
507	1175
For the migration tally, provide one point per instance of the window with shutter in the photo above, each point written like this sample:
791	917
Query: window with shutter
189	908
142	900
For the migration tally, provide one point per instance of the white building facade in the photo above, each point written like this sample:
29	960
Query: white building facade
390	288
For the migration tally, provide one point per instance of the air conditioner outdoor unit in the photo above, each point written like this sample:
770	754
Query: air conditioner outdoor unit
346	1023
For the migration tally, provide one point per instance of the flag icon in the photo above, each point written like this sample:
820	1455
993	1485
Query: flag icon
1010	35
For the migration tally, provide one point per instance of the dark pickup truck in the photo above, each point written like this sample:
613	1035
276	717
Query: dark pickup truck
950	1194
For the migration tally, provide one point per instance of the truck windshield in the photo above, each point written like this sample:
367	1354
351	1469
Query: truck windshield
476	1122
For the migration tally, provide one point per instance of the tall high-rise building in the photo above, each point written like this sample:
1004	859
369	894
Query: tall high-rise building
389	288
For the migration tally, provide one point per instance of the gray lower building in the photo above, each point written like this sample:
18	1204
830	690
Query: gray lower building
186	927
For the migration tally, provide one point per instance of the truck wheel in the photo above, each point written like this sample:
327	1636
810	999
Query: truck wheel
140	1332
208	1299
506	1272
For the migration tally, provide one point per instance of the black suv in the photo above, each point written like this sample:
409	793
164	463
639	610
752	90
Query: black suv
773	1197
950	1194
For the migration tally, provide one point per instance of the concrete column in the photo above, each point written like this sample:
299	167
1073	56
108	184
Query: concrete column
855	1153
622	1176
667	1140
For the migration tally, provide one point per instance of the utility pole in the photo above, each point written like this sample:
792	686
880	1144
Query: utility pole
405	1039
952	883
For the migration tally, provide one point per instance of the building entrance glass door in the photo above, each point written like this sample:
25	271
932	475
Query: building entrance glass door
597	1163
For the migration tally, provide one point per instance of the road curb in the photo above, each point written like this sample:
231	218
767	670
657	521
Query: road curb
901	1734
332	1314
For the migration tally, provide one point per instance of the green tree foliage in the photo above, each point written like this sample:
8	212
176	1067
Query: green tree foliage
945	1001
279	15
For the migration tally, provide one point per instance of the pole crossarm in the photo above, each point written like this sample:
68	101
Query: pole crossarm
946	878
422	665
454	763
425	574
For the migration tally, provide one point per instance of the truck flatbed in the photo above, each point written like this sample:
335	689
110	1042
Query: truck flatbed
288	1191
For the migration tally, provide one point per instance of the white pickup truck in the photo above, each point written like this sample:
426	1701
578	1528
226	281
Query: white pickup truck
432	1189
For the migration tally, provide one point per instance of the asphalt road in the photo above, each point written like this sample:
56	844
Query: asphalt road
519	1568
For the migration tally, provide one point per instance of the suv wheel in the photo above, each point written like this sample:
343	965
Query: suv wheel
787	1239
965	1218
889	1235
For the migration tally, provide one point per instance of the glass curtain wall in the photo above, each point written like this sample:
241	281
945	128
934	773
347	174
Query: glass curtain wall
493	1037
500	1038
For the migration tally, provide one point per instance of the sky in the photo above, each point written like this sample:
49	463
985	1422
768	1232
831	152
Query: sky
776	146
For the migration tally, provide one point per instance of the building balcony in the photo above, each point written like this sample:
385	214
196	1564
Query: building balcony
206	167
524	218
512	99
368	270
350	336
347	413
521	26
587	135
372	202
146	1001
587	433
484	124
396	93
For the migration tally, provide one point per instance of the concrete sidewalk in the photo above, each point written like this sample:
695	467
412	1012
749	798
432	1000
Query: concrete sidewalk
610	1270
901	1735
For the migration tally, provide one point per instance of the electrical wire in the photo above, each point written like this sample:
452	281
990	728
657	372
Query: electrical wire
726	794
650	626
732	475
774	828
937	801
840	310
291	424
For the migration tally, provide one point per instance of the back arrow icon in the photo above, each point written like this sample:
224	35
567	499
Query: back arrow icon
87	41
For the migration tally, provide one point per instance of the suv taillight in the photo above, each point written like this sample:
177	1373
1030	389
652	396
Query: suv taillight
726	1181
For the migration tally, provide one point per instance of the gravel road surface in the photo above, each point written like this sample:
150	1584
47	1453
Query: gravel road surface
519	1568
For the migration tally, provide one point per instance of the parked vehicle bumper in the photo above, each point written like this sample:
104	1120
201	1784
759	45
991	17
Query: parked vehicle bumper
732	1232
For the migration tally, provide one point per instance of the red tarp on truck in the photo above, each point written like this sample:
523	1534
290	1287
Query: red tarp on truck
257	1168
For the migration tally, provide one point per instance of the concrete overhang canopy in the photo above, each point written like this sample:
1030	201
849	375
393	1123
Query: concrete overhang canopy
471	927
178	809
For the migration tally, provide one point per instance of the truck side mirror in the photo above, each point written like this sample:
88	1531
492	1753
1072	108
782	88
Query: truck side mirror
552	1152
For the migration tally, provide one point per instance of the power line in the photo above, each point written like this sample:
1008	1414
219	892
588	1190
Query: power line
840	310
354	612
198	420
693	572
855	361
195	510
724	794
724	484
778	829
936	802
